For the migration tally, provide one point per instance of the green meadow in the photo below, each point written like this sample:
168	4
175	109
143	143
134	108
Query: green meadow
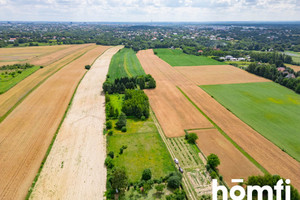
177	58
269	108
125	64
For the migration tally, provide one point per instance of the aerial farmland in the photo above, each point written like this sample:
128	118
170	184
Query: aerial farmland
147	111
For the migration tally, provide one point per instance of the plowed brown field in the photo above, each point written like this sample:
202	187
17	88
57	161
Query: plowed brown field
262	150
15	94
174	112
27	132
211	141
218	74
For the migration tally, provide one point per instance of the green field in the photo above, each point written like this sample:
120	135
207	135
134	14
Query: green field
295	55
178	58
145	149
125	64
8	81
269	108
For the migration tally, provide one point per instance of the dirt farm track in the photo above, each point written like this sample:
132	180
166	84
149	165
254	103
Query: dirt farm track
269	156
28	130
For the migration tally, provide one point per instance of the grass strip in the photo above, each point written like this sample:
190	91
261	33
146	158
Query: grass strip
52	142
227	137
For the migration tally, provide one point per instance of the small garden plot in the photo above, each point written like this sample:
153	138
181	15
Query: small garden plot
193	167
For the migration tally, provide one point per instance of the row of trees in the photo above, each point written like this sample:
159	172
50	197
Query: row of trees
119	85
16	66
271	72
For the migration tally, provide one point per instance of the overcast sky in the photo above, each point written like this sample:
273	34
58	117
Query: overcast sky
149	10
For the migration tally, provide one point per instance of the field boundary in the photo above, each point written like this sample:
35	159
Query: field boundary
250	158
35	87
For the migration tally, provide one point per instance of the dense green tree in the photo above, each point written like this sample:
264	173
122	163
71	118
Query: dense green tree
119	180
147	174
213	161
121	121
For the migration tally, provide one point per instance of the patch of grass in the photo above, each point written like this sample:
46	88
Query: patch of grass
269	108
145	149
116	101
125	64
8	81
178	58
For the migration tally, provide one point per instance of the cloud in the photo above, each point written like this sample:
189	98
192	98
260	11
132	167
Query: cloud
147	10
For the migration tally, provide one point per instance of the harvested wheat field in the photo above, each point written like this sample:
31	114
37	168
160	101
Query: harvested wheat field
272	158
75	166
16	93
174	112
24	54
28	130
233	163
218	74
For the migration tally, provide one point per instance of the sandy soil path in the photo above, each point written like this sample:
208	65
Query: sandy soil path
27	132
12	96
75	166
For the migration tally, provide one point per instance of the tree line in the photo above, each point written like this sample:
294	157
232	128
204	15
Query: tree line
272	73
119	85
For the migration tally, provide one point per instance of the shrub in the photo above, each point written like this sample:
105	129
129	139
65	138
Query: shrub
143	118
87	67
191	137
123	129
121	121
110	133
147	174
109	163
111	154
159	188
213	174
297	89
108	125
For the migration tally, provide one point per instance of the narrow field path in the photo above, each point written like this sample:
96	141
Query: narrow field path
27	131
75	167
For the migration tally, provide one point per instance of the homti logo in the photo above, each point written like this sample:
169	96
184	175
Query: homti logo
250	189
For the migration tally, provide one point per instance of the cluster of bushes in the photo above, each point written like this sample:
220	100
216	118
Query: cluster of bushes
271	180
118	181
136	104
16	66
271	72
119	85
